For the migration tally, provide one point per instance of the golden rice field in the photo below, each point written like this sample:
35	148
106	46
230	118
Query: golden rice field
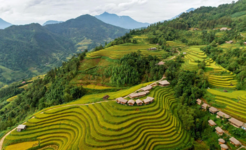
108	125
12	98
22	146
235	102
194	54
96	87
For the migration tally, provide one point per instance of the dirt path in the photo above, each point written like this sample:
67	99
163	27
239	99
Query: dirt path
1	142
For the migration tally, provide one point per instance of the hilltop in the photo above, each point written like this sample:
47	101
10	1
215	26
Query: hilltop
4	24
121	21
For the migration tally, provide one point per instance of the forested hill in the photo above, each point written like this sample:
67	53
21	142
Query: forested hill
87	27
30	50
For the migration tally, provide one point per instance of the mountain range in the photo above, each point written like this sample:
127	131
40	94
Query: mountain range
187	11
30	50
4	24
121	21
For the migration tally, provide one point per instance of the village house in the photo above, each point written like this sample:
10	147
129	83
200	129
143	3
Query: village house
213	110
152	48
224	147
161	63
147	88
236	122
205	106
235	142
195	29
139	102
184	53
212	123
140	94
221	141
219	131
131	102
199	102
121	100
223	115
244	43
229	42
224	29
244	126
148	100
164	83
106	97
20	128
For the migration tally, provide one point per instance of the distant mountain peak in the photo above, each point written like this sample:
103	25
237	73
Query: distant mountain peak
121	21
4	24
51	22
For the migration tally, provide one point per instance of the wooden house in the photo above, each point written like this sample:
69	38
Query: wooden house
244	126
221	141
184	53
223	29
223	115
205	106
140	94
213	110
139	102
148	100
121	101
106	97
199	102
229	42
219	131
164	83
147	88
236	122
235	142
152	48
212	123
224	147
161	63
131	102
20	128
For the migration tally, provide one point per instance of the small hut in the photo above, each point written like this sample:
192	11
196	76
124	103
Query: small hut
184	53
244	43
20	128
244	126
121	100
148	100
147	88
223	115
139	102
224	147
212	123
223	29
106	97
236	122
213	110
152	48
235	142
229	42
221	141
199	102
161	63
205	106
164	83
131	102
140	94
219	131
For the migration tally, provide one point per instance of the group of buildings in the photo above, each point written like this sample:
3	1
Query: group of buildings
141	93
219	131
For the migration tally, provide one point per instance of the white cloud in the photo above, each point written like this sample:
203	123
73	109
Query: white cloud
28	11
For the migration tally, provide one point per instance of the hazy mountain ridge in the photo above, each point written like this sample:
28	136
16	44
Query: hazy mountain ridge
4	24
121	21
52	22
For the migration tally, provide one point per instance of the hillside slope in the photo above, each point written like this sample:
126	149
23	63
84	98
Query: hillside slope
30	50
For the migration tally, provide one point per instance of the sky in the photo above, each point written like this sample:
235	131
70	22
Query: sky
38	11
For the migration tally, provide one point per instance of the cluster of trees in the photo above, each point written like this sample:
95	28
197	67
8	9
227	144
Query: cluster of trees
134	68
54	89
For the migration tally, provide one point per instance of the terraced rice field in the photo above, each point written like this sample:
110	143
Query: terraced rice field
194	54
109	125
235	102
117	51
